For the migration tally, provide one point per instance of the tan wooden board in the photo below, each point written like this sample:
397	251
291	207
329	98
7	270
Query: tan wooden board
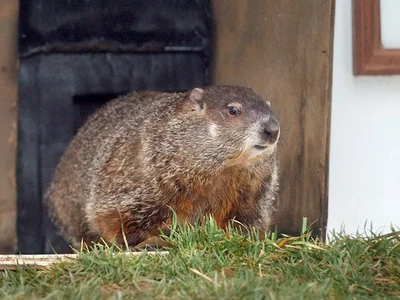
283	50
8	123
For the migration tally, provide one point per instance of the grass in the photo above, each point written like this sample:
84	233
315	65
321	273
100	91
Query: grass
206	263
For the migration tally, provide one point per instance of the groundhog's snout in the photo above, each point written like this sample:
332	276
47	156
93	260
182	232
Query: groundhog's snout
271	131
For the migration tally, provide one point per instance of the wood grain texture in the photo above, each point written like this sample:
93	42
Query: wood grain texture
8	123
283	50
369	57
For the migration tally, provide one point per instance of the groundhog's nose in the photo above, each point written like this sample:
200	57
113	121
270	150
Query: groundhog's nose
271	131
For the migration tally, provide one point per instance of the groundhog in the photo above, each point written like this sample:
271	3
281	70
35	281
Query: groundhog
142	156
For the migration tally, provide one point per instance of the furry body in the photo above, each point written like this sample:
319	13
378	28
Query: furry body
207	151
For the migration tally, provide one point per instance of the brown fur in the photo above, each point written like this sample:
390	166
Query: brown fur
145	154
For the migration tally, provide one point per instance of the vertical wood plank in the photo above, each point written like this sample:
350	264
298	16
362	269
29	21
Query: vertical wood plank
8	123
283	50
29	219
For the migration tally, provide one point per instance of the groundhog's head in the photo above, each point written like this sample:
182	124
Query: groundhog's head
233	123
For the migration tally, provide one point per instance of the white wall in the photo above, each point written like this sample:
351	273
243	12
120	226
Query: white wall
364	179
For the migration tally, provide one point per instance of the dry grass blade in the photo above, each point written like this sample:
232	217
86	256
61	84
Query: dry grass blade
204	276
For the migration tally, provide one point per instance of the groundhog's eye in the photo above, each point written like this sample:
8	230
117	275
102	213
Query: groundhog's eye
234	111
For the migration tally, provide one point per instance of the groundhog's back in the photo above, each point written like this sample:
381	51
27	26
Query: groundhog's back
76	174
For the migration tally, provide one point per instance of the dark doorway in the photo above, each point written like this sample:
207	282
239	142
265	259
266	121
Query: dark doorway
77	55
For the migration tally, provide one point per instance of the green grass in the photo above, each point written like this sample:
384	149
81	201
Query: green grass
206	263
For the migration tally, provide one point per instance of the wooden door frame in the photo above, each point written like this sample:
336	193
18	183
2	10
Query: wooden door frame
8	123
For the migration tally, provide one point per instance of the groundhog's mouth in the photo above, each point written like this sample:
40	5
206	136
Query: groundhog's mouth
260	147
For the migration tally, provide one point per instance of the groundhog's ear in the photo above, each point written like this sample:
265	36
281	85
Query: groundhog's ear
269	103
195	101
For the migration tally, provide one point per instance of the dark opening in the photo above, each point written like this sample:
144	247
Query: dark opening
77	55
85	105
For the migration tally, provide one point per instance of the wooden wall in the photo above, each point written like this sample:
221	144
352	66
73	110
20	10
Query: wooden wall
283	50
8	123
